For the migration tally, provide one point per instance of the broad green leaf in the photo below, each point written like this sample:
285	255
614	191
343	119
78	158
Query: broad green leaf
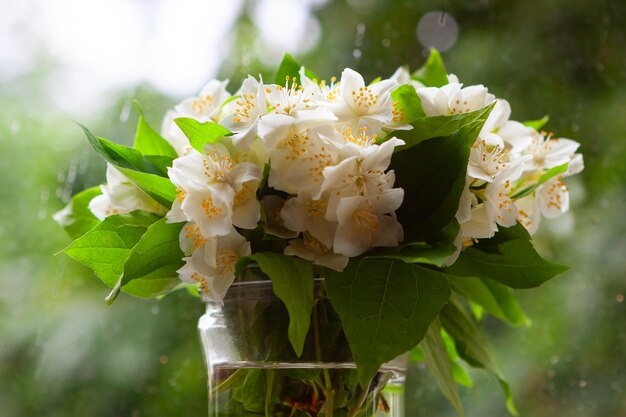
439	364
537	124
385	306
292	282
433	73
407	104
418	252
106	247
290	67
508	258
162	163
551	173
157	187
432	175
76	218
458	371
138	169
436	126
496	299
471	345
199	134
149	142
150	269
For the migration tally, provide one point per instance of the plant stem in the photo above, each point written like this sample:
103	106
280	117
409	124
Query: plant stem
328	391
268	392
354	410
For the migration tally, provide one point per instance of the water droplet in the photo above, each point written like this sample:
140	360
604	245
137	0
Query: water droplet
437	30
619	298
154	310
164	359
582	383
386	43
357	53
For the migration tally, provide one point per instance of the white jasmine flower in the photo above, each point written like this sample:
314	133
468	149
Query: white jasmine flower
311	249
453	98
215	191
191	238
304	214
247	109
550	200
203	108
298	160
121	196
364	175
360	103
548	152
206	106
360	228
486	161
322	92
294	107
213	265
498	130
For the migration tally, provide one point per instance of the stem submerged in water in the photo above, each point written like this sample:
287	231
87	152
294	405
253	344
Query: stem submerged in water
329	392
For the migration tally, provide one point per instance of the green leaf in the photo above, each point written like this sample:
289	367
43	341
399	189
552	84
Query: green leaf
76	218
508	258
418	252
199	134
432	175
152	263
537	124
139	170
106	247
433	73
471	345
551	173
290	67
149	142
407	103
385	306
439	364
157	187
496	299
437	126
292	282
458	371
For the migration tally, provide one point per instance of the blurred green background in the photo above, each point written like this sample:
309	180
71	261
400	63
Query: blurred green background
63	352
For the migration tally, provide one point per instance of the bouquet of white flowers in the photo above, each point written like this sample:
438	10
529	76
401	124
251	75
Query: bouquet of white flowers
413	196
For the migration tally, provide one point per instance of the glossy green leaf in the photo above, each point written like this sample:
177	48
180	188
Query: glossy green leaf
76	218
157	187
138	169
497	299
290	67
418	252
407	103
508	258
433	73
439	364
471	345
537	124
149	142
292	282
437	126
432	175
385	306
106	247
199	134
150	269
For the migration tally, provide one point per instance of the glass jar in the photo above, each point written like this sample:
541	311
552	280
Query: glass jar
253	370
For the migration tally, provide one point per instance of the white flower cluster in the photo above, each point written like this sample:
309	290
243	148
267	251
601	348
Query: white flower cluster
506	159
329	188
331	193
